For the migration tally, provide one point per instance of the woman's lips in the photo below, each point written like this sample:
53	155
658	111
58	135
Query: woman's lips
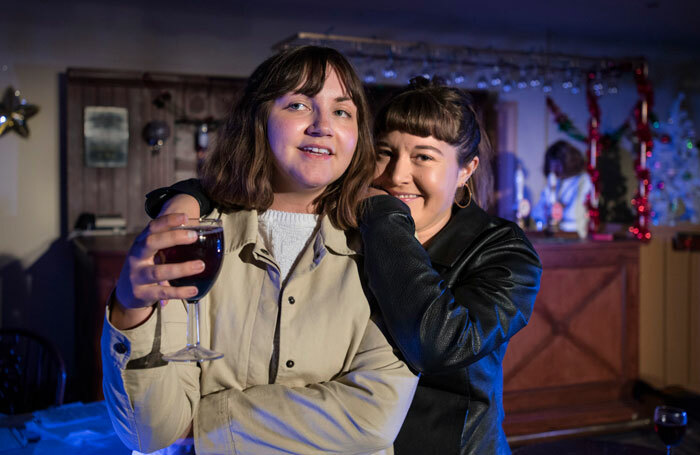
316	152
406	197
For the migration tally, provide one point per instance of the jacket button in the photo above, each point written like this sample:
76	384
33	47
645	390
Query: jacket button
291	300
120	348
290	363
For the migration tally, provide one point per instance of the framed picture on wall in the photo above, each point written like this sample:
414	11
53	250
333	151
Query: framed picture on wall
106	131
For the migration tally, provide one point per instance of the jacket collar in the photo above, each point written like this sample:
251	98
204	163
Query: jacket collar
242	229
459	233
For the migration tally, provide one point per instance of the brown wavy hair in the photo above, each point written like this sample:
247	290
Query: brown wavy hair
429	108
237	174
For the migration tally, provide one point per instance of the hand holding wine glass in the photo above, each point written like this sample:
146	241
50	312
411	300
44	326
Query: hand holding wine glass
670	424
208	248
142	282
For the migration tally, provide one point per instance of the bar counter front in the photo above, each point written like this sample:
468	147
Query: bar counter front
572	367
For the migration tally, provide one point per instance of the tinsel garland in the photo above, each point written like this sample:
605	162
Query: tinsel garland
640	229
594	151
605	141
564	123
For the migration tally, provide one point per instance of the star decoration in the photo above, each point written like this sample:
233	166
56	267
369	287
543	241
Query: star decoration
14	113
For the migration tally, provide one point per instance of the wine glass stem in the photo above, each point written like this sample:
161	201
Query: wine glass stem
192	324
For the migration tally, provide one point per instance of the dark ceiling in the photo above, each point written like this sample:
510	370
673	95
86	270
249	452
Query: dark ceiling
643	23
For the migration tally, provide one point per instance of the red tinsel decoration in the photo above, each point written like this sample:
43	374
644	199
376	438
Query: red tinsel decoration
594	149
640	229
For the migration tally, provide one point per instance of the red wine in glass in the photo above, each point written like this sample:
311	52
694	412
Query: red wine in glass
670	424
209	247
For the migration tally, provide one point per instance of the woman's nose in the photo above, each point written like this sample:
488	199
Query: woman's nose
399	170
320	125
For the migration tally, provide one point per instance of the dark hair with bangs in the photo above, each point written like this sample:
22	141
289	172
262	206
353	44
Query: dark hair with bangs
238	173
429	108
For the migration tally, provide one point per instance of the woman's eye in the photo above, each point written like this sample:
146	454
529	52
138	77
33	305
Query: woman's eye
296	106
343	113
381	153
423	157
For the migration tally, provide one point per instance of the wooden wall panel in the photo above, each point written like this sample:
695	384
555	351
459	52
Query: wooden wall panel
670	311
133	193
694	320
103	191
74	165
120	175
105	176
90	187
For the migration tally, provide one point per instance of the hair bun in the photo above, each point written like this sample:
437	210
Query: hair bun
419	82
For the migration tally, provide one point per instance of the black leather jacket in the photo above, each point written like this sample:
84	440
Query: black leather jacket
451	311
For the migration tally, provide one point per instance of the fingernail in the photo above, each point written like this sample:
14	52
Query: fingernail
191	235
199	265
194	292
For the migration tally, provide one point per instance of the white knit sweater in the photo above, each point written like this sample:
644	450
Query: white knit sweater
285	234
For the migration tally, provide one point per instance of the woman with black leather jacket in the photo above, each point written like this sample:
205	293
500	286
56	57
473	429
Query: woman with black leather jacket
454	284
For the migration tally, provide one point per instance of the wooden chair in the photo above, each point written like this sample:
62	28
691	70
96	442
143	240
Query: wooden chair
32	372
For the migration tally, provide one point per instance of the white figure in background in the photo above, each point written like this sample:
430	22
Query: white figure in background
569	185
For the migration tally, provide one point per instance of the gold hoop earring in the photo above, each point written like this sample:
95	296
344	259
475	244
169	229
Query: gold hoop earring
459	202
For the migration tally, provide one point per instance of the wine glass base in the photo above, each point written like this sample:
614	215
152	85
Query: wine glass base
192	354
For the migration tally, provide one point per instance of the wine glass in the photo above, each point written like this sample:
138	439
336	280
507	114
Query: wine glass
209	248
669	424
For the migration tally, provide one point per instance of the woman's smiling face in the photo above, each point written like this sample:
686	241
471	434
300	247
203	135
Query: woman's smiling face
423	172
313	138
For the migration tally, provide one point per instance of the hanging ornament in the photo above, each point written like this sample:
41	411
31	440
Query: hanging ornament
14	113
155	134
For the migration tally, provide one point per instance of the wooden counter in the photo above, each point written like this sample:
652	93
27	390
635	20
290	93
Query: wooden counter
574	364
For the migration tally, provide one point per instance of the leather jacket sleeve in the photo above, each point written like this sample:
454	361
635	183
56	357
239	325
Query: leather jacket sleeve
448	319
157	198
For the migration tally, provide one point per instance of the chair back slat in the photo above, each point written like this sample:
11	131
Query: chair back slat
33	372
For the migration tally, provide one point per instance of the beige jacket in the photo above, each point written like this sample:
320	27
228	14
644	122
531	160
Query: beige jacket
339	387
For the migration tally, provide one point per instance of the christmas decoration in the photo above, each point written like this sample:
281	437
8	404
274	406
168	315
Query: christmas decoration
613	205
675	169
594	151
641	202
14	113
564	123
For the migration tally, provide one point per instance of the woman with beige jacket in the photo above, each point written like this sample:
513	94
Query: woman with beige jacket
306	368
